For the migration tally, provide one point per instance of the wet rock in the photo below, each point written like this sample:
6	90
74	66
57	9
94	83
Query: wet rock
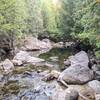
7	65
25	57
95	85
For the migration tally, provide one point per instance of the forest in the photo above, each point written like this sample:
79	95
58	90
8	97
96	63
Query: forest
46	42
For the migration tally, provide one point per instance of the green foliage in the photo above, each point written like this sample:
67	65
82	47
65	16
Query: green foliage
87	19
61	19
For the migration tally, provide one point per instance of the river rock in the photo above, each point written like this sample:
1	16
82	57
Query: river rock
34	60
80	58
7	65
32	43
59	94
78	72
71	94
95	85
25	57
68	94
17	62
22	56
76	75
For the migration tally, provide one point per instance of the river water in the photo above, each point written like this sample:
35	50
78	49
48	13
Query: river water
25	82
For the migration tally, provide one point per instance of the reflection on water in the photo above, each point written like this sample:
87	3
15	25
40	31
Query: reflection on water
56	56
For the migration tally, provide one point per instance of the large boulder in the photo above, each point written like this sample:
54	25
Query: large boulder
78	72
31	43
80	58
76	75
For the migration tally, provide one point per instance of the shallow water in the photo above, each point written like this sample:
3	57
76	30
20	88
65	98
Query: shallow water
56	56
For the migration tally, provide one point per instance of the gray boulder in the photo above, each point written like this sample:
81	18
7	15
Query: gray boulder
80	58
76	75
78	72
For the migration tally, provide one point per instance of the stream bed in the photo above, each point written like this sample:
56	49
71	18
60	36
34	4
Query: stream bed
25	82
